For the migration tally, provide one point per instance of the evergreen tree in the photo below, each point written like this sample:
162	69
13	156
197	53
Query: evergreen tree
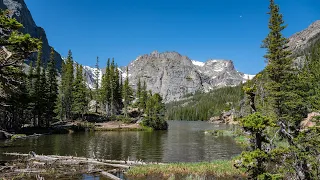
143	97
43	98
155	110
118	90
52	88
37	90
113	88
79	93
127	94
60	109
138	93
15	48
68	85
105	92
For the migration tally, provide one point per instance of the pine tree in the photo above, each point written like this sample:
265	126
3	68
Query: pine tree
79	93
155	110
143	97
112	88
105	92
138	93
60	109
118	90
37	90
68	85
52	87
43	98
127	94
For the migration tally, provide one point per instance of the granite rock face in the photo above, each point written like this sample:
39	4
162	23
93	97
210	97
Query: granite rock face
302	41
170	74
19	10
174	75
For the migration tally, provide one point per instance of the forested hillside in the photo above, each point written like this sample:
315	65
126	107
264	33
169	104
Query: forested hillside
203	106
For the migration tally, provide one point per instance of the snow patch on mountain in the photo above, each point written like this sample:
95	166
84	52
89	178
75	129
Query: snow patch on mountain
197	63
248	76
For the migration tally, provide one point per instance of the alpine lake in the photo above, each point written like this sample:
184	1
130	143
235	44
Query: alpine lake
185	141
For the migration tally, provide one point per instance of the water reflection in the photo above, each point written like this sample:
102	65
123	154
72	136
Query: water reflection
184	142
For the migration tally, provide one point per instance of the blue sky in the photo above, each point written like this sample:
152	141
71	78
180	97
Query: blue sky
200	29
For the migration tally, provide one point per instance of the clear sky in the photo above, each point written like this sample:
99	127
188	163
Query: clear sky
200	29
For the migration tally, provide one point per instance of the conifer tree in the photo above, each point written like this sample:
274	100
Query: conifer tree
52	88
154	111
60	109
143	97
138	93
68	85
118	90
105	92
79	93
37	90
112	88
127	94
31	89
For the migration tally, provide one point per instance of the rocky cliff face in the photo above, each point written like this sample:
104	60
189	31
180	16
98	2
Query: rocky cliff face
19	10
173	75
302	41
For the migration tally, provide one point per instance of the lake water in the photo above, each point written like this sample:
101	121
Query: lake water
185	141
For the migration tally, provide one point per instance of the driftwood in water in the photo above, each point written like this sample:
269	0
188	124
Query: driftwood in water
109	175
70	160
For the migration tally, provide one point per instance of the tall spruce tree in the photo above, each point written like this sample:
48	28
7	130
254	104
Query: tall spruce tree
60	109
68	85
143	97
79	93
285	96
15	47
118	90
52	88
37	90
127	94
105	91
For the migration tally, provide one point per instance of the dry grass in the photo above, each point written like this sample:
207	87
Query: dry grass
217	169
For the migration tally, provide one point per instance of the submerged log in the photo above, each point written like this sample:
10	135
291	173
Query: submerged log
67	160
98	161
109	175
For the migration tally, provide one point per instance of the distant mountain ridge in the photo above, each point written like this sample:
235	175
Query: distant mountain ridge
174	75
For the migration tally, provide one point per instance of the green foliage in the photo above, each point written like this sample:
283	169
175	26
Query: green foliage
155	110
79	94
203	106
256	122
111	89
52	89
127	94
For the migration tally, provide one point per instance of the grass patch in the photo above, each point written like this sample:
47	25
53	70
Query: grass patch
220	132
18	136
239	137
218	169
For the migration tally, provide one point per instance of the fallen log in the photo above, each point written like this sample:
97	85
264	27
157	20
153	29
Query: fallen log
56	157
67	160
109	175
